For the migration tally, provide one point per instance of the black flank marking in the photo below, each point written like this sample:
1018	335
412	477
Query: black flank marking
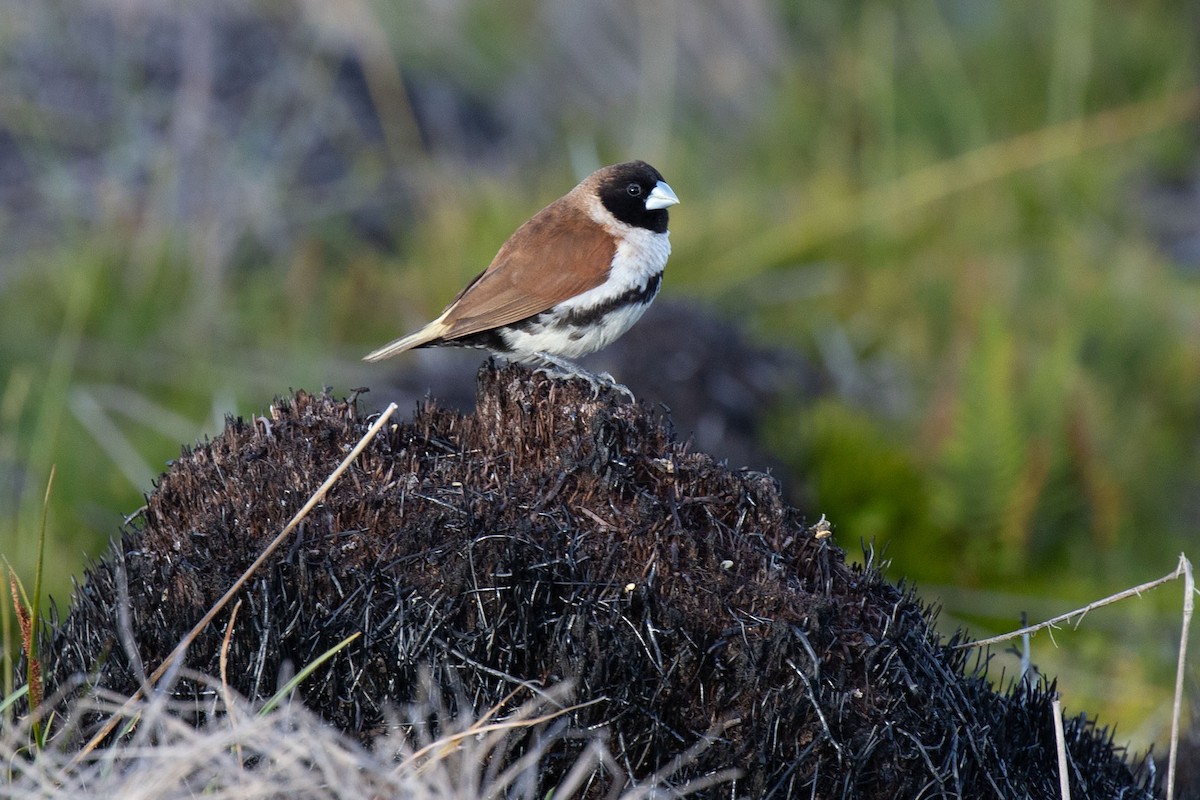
582	317
577	318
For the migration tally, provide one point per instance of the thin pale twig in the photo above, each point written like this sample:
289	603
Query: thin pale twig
1189	605
1081	612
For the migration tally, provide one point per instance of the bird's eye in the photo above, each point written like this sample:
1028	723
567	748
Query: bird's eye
634	189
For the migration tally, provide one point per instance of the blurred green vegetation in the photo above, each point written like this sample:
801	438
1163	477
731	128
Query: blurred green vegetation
943	203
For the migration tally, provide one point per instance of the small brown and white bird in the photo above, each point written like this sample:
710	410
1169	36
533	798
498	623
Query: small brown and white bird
569	281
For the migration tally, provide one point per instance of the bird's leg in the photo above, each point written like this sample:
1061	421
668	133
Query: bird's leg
564	368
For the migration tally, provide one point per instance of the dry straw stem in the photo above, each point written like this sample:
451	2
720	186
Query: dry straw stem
187	640
1189	605
477	729
1060	743
296	754
1184	570
226	692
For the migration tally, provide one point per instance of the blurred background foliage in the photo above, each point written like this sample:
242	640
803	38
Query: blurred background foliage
980	221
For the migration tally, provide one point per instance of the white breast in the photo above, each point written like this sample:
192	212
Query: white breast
569	331
641	255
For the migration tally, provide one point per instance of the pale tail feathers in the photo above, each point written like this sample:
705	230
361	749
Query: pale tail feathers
433	330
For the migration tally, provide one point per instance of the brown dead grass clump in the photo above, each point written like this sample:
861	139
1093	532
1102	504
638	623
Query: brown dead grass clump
554	536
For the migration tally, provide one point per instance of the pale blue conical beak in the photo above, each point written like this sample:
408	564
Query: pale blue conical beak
661	196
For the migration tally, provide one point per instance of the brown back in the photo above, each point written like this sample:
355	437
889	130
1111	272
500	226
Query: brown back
559	253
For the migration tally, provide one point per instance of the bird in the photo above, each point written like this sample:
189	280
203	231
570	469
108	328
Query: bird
568	282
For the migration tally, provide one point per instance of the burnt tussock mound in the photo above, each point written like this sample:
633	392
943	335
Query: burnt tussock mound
556	536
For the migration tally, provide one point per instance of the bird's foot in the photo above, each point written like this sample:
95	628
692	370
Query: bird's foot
608	380
555	367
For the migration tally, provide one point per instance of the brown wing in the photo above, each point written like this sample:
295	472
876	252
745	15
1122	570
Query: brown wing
554	256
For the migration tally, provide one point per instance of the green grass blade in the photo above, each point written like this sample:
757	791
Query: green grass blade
291	685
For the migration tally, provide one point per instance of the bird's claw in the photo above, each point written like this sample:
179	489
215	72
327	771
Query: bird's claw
553	367
619	388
